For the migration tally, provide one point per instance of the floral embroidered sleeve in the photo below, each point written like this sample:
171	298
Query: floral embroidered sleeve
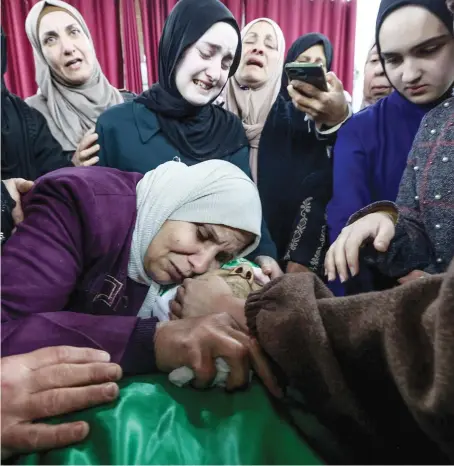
307	244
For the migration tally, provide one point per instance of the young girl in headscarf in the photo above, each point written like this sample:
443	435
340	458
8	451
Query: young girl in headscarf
371	151
176	119
73	90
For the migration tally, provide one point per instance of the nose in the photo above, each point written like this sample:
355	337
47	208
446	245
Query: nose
411	73
244	271
378	70
202	261
214	71
67	45
257	50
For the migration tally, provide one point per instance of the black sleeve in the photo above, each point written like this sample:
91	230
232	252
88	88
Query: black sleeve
7	214
47	151
307	244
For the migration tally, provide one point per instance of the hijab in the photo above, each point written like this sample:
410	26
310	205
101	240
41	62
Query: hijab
292	162
253	105
215	192
436	7
16	154
201	132
70	110
302	44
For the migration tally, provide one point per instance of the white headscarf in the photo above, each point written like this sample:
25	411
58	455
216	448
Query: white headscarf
70	110
253	105
214	191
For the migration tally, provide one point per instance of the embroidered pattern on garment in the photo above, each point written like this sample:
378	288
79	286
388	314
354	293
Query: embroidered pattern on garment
302	224
114	287
315	261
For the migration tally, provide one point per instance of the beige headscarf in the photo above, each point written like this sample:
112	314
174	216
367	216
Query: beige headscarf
253	105
70	110
214	191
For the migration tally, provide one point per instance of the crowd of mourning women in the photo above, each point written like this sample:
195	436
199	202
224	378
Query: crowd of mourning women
108	197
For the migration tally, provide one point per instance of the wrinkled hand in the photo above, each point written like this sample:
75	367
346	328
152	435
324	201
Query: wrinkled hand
196	342
293	267
83	156
49	382
345	250
414	275
200	297
326	108
16	187
269	266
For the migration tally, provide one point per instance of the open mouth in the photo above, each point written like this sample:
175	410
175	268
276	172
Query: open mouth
254	62
73	63
202	84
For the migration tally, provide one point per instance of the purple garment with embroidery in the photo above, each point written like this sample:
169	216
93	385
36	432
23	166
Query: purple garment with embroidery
64	272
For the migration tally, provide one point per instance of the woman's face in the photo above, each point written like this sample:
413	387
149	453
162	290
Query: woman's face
259	57
418	51
314	54
66	48
204	68
183	249
376	84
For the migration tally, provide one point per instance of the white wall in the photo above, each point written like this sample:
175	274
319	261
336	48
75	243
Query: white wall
365	33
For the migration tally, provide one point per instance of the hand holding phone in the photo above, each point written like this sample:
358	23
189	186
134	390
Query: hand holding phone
311	73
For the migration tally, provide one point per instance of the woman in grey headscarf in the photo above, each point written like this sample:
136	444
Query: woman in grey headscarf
73	91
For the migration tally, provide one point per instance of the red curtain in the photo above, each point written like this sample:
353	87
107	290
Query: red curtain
103	21
237	9
131	49
154	14
334	18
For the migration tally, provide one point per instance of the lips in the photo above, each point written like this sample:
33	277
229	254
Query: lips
254	62
417	90
203	84
72	62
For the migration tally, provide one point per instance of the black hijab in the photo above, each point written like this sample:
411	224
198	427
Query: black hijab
436	7
292	163
301	45
203	132
16	158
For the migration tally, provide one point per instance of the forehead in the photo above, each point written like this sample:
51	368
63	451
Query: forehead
262	29
316	52
408	27
221	35
54	21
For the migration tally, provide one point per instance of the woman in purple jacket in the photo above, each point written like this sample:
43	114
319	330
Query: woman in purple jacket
96	245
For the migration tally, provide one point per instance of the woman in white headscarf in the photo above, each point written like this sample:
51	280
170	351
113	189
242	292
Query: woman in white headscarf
96	246
251	93
73	91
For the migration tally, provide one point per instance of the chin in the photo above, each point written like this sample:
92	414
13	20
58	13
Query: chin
77	80
199	100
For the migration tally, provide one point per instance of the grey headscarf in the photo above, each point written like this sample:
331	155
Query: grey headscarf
70	110
214	191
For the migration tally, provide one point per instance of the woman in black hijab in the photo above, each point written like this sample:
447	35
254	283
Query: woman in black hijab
295	173
200	48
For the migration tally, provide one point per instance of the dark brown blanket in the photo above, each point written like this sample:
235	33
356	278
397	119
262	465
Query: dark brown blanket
377	368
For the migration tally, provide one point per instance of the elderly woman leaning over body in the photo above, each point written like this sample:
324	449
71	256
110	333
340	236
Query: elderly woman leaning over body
176	118
73	90
97	244
371	151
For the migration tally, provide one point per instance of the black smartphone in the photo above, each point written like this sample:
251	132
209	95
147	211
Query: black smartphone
311	73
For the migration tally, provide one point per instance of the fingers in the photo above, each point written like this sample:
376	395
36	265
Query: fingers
307	89
17	213
61	354
65	400
88	153
90	162
24	438
204	368
176	310
335	84
74	375
24	186
262	369
384	236
340	261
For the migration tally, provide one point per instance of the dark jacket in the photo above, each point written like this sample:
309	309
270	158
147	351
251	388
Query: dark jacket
64	272
131	139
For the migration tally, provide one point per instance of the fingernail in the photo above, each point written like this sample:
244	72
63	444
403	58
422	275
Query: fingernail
111	390
113	372
352	271
331	277
104	356
342	279
80	430
381	244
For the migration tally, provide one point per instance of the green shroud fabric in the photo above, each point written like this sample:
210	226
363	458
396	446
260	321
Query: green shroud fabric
154	422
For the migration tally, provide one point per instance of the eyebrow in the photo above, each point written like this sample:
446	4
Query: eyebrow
415	47
218	48
54	33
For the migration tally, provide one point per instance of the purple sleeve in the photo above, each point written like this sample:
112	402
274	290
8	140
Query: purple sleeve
41	264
